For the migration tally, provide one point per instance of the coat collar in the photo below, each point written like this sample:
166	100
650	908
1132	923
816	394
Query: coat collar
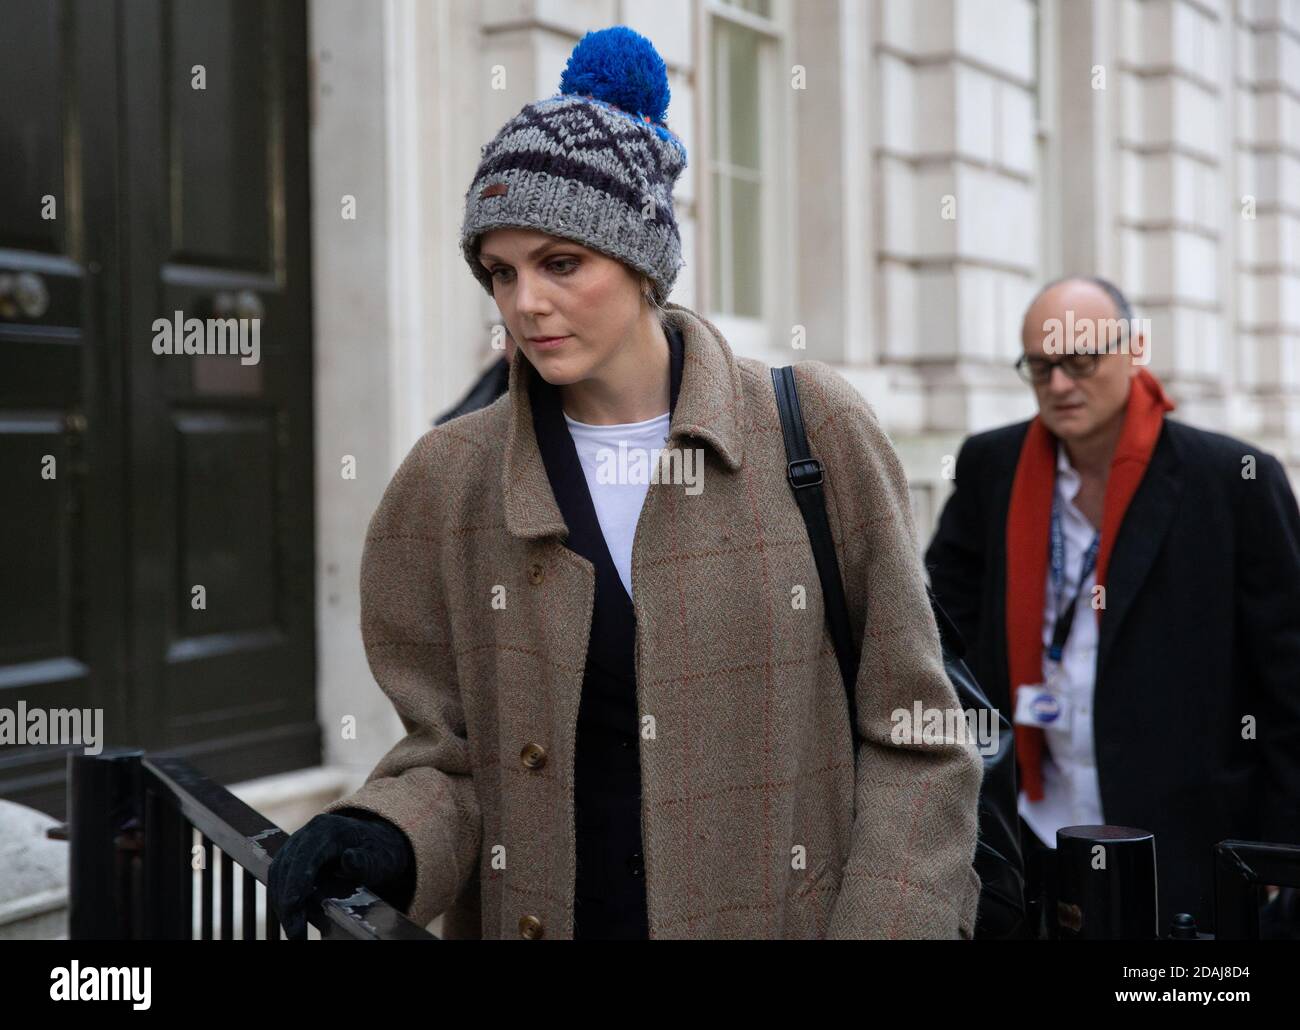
708	408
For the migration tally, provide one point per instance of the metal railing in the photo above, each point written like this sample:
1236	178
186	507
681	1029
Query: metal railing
1079	902
1241	869
141	829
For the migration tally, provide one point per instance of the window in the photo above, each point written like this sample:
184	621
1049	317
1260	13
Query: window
747	120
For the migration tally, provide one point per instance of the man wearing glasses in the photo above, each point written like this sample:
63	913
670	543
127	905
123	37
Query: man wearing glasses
1128	588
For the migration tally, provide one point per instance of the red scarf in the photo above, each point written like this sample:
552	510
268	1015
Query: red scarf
1028	531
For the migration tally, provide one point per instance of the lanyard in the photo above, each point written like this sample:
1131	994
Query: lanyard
1065	617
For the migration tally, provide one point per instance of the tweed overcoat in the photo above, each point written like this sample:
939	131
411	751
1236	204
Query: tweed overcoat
756	820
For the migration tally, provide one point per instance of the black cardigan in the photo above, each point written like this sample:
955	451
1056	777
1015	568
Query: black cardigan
609	893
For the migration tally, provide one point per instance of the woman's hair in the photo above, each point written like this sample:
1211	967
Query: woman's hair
646	285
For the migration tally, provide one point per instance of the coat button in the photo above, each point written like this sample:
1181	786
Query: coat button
535	573
533	756
530	928
635	865
627	742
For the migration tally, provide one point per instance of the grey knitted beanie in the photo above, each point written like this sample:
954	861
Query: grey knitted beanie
595	163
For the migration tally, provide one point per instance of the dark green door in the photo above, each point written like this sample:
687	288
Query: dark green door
166	573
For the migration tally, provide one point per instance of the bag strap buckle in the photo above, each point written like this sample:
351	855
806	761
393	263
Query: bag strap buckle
804	472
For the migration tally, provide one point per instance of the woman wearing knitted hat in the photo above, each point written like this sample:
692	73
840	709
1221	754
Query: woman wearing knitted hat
594	604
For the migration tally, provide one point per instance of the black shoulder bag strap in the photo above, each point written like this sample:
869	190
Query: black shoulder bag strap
997	859
805	475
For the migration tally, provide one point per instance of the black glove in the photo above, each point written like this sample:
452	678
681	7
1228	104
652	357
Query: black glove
353	844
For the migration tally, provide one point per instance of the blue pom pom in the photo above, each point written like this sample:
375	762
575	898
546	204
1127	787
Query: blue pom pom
620	67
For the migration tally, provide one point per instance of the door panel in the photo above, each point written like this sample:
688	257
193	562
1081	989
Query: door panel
126	195
35	52
227	506
61	601
221	178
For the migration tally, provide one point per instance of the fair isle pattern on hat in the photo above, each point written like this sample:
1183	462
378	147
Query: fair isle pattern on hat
581	167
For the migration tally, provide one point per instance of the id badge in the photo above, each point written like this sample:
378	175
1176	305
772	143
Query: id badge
1037	705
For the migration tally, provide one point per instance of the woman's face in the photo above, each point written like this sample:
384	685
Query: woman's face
546	286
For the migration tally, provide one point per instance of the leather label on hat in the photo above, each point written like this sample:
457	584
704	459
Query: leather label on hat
497	189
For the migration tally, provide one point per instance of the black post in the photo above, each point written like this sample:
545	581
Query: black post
1236	906
1241	869
105	832
1106	884
168	873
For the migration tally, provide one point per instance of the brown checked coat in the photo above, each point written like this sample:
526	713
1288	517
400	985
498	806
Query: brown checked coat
756	820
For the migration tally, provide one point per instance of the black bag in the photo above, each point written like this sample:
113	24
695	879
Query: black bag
997	857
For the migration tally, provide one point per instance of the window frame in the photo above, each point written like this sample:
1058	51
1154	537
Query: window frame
1047	133
752	336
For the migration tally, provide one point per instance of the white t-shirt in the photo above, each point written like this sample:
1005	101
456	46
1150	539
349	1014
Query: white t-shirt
618	462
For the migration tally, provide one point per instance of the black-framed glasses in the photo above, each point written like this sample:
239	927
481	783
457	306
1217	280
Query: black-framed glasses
1035	370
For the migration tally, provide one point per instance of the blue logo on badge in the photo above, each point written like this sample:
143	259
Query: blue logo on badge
1045	708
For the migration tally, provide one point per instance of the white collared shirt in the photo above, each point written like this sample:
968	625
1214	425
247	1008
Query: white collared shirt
1071	795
